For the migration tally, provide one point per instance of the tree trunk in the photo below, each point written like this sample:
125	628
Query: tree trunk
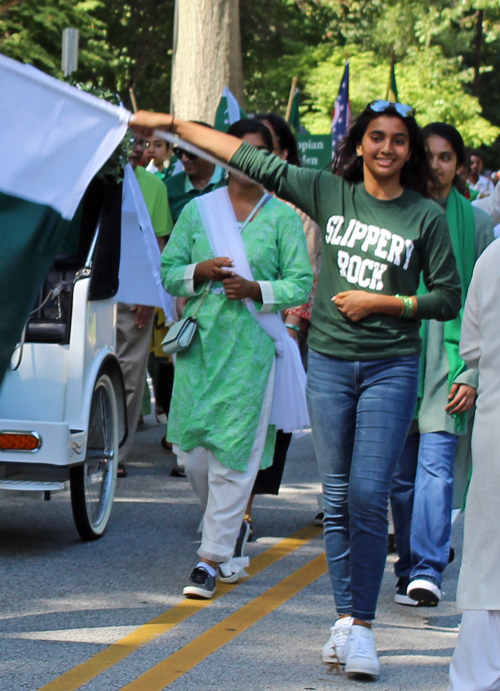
207	57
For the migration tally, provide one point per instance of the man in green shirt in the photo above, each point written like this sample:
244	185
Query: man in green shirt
199	177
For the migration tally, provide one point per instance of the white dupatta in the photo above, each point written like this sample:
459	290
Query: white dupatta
289	408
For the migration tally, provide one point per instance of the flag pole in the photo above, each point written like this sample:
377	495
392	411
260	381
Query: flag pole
133	99
393	60
290	99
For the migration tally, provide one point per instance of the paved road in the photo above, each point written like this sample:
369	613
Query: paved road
109	615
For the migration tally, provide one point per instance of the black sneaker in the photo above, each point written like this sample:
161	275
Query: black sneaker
426	592
401	598
318	518
242	539
201	584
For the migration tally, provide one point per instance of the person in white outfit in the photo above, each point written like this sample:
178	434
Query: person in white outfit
476	661
477	182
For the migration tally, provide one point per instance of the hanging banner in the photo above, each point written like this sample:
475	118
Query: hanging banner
315	150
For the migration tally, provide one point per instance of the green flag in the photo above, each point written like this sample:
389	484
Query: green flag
228	111
392	89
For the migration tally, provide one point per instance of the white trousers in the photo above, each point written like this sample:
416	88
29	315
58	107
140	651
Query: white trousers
224	492
476	661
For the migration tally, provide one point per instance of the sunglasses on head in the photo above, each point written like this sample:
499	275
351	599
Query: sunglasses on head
182	152
380	106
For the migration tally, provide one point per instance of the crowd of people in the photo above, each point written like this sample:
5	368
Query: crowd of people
365	277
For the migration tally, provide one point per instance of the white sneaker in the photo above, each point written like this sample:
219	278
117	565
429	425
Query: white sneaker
333	652
361	653
425	592
232	570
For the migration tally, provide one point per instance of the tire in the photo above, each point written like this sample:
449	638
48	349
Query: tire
92	484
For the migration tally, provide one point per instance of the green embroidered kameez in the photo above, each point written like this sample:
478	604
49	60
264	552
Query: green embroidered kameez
220	380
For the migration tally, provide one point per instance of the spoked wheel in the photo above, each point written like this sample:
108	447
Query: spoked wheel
93	483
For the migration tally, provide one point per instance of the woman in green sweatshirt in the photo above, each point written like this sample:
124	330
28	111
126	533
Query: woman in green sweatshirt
380	234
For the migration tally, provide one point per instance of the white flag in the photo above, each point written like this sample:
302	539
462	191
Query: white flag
139	277
54	138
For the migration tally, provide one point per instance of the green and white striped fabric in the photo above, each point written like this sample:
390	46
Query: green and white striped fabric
54	138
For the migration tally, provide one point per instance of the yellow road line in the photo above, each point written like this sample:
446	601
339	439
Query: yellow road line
173	667
102	661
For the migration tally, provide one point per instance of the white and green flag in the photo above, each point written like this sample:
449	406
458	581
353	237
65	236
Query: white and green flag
228	111
54	138
140	257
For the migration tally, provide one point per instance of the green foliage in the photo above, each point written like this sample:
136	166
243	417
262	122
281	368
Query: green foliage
434	43
121	45
127	44
278	40
140	36
31	31
427	80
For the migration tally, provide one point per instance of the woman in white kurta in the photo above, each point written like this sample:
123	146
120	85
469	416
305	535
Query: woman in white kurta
476	661
223	388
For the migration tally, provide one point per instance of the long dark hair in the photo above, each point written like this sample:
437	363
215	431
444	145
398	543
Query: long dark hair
416	174
284	135
454	139
252	126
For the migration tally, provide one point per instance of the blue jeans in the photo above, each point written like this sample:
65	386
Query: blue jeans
360	416
421	500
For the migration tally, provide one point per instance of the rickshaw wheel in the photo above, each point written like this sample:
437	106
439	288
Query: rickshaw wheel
93	483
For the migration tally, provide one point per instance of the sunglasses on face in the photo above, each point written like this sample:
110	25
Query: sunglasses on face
182	152
380	106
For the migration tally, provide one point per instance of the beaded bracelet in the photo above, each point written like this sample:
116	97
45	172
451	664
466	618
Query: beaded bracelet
407	306
292	326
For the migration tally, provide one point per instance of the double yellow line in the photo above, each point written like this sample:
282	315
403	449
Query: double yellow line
180	662
177	664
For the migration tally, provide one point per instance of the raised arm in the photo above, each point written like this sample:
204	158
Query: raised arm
219	144
303	187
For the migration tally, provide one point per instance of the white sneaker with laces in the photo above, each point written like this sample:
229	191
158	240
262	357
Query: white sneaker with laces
361	653
333	652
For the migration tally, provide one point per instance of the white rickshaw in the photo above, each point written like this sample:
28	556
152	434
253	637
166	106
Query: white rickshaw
62	405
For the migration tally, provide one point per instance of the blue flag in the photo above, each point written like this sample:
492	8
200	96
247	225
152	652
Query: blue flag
342	110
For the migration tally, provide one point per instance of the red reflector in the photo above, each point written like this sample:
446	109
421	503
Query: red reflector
19	441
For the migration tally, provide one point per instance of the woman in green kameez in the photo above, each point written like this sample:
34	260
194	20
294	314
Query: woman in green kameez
221	403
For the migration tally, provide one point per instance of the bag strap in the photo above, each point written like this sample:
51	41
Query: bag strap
263	200
204	295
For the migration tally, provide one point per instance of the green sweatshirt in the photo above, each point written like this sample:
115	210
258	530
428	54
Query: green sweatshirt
368	244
